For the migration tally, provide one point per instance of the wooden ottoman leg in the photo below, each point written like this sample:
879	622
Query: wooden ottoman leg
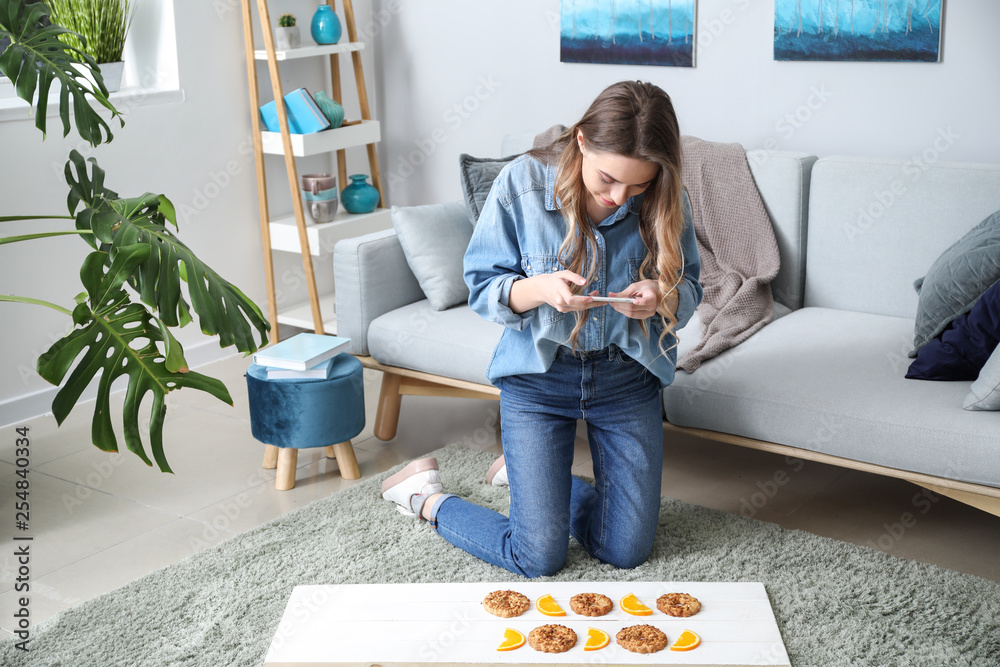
287	458
270	457
387	417
330	452
347	461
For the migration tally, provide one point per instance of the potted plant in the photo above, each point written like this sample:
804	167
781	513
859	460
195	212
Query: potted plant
103	26
286	35
134	279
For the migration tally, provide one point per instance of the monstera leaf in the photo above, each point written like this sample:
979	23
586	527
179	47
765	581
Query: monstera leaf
221	307
36	58
119	338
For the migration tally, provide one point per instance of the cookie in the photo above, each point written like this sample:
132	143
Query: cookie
506	604
552	638
641	639
678	604
591	604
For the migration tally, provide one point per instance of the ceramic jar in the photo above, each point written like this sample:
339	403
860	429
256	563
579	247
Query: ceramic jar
325	25
360	196
330	108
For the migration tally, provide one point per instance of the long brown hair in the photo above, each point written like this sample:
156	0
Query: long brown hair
635	119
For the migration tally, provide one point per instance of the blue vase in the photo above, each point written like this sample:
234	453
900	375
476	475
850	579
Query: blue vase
330	108
360	196
325	25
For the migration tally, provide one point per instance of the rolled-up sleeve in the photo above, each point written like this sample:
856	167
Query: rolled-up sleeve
493	264
689	292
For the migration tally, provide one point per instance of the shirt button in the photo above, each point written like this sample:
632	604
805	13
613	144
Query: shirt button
595	318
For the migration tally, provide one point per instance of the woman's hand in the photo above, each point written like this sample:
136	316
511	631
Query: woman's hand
645	296
551	288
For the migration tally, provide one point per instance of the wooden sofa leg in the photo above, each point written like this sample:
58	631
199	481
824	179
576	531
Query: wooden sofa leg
387	416
986	503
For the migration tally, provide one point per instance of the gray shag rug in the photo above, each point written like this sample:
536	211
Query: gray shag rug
835	603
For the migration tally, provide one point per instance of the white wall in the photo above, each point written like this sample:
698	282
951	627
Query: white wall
198	152
434	56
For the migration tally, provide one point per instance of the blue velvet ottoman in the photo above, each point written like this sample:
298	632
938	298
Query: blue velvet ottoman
293	414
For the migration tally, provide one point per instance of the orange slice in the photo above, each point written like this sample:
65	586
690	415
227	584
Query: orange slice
687	641
630	605
596	639
512	639
548	606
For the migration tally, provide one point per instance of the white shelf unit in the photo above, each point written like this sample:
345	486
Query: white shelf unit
327	141
310	51
300	314
323	236
284	234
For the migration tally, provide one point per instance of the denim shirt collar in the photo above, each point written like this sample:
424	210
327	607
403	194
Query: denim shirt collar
631	205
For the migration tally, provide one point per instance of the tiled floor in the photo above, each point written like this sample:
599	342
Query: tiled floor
101	520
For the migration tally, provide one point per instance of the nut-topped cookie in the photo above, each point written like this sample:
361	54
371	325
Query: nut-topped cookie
591	604
552	638
641	639
678	604
506	604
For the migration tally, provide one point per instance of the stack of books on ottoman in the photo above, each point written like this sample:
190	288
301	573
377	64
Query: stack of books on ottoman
303	356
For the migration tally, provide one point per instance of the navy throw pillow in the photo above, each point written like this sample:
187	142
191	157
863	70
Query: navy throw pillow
962	349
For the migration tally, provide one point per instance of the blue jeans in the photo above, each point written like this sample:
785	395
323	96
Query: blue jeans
615	519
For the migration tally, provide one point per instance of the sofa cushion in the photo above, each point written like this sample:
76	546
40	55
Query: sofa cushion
434	239
831	381
984	394
455	343
478	174
782	179
876	225
962	349
956	279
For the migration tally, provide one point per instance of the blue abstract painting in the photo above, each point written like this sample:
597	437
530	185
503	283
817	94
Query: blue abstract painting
628	32
882	30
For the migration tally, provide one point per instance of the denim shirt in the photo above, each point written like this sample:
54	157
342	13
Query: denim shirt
518	235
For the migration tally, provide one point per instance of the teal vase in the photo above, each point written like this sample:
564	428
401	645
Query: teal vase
360	196
330	108
325	25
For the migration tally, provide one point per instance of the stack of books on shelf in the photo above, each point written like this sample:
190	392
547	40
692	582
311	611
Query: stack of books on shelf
303	356
304	115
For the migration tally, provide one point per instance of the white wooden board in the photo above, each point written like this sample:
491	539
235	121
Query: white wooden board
445	624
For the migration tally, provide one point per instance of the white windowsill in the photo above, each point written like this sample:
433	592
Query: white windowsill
14	108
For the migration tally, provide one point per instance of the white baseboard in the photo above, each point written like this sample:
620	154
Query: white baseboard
16	411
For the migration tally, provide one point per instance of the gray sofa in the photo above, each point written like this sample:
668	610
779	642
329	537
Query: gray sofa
824	381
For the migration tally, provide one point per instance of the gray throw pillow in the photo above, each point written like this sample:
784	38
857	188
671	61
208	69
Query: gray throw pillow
956	280
434	239
984	394
478	174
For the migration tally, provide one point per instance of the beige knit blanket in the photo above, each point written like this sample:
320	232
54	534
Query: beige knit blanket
739	255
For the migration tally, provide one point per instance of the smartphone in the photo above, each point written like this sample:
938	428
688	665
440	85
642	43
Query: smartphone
612	299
